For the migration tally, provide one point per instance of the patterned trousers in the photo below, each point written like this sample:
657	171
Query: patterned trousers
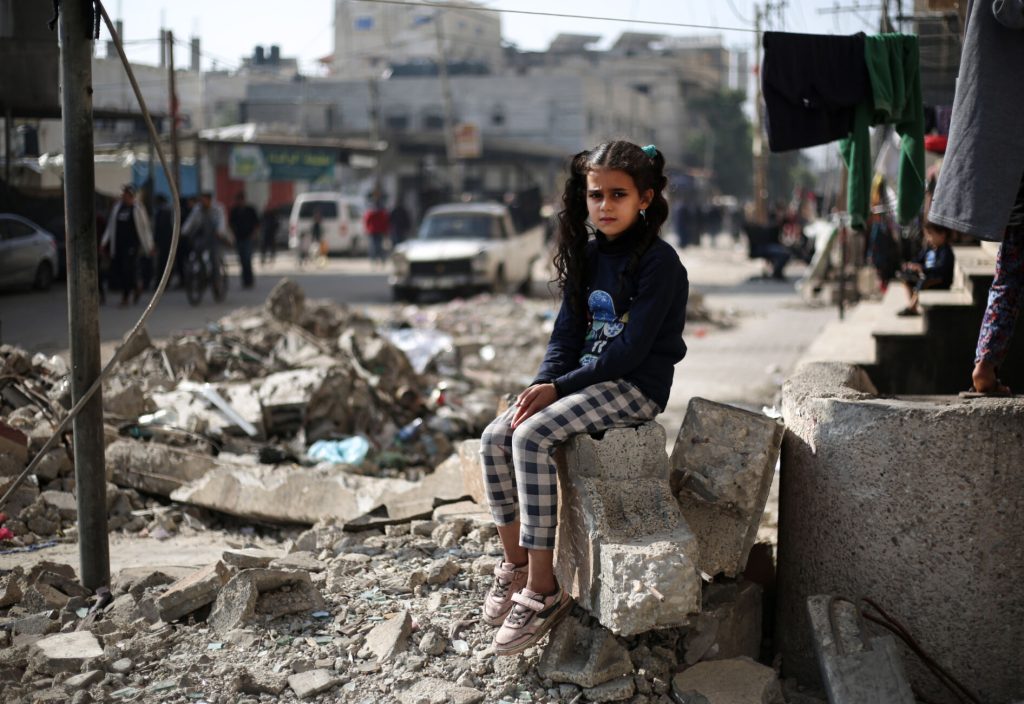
1003	299
519	469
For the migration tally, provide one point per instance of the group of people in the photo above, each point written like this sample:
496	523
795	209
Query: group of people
136	251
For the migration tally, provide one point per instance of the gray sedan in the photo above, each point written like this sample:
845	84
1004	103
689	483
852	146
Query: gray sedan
28	253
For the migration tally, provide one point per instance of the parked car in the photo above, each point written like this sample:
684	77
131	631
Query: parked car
466	247
342	221
28	253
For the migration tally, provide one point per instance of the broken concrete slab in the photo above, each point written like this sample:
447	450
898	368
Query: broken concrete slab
136	580
627	556
584	653
266	592
443	484
301	560
250	558
261	682
472	468
614	691
155	468
289	494
13	442
723	463
54	464
729	625
736	681
390	637
63	501
432	690
65	652
286	301
84	680
856	668
284	397
39	624
313	682
124	399
193	592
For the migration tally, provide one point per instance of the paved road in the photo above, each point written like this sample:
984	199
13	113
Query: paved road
38	321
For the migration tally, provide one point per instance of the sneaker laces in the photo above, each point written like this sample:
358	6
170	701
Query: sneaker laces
518	616
500	587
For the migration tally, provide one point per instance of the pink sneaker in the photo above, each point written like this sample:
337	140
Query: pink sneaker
532	616
508	579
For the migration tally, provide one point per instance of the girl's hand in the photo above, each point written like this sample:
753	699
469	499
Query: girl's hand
533	399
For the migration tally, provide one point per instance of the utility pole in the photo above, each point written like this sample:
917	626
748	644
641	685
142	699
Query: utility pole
760	166
449	110
83	289
173	105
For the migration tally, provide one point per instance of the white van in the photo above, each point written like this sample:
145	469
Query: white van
341	224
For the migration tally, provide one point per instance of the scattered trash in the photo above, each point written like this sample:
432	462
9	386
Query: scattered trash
351	450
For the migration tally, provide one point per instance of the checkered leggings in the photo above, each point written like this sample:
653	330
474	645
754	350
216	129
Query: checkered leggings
518	466
1003	299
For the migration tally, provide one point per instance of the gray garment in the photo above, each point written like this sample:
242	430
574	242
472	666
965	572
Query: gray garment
982	170
1017	214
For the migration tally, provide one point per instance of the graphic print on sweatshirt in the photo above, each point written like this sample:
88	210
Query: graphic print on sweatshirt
603	326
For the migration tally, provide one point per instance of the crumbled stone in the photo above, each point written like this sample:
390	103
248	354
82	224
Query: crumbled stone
584	653
313	682
436	690
390	637
193	592
65	652
735	681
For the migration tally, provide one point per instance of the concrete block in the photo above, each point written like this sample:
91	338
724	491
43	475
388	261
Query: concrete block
623	549
435	690
249	558
262	592
313	682
14	442
389	638
737	681
472	468
65	652
856	668
583	653
193	592
915	502
729	624
617	690
155	468
723	463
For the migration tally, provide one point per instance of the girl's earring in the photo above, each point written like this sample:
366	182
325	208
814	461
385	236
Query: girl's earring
643	215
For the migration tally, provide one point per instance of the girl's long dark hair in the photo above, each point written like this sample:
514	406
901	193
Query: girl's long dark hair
646	171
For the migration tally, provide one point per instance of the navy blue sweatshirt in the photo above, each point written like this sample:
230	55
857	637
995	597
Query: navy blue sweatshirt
631	329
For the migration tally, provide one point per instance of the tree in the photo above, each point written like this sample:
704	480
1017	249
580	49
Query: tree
727	139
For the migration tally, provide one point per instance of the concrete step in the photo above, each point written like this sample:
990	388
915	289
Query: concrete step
975	269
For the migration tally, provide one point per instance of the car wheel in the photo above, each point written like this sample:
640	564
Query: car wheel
44	276
526	287
500	284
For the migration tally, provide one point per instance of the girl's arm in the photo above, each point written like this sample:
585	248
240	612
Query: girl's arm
565	345
661	294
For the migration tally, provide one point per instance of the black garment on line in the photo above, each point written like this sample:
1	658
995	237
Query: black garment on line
812	83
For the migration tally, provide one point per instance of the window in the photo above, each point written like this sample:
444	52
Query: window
327	208
433	121
459	226
397	122
355	213
15	229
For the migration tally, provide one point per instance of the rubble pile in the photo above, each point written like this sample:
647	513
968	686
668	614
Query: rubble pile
374	616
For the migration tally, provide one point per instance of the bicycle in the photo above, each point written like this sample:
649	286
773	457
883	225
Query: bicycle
200	273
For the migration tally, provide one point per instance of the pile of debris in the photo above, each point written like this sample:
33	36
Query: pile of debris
669	608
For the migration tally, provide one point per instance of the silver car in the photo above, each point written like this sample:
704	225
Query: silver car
28	253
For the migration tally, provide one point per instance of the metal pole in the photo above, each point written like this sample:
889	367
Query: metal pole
83	289
449	110
760	177
173	105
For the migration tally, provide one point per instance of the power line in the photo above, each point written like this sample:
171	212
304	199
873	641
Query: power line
534	13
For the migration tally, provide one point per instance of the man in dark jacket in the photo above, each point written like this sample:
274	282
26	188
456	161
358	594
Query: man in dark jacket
243	221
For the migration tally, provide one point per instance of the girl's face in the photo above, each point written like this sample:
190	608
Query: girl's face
613	201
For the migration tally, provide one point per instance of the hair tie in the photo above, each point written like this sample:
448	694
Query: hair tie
650	150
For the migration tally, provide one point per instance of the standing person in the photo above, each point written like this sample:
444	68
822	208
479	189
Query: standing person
376	224
401	223
609	363
244	220
163	230
126	237
269	225
981	186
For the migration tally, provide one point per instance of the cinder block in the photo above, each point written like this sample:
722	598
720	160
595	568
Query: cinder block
623	549
723	463
193	592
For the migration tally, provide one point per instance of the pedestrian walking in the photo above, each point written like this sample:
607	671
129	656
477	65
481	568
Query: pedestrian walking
609	363
401	223
244	221
269	225
981	186
126	238
376	224
163	231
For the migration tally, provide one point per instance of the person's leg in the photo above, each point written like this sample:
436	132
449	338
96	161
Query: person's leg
244	247
599	407
1000	314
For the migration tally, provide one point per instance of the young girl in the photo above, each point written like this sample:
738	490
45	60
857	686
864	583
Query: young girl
609	363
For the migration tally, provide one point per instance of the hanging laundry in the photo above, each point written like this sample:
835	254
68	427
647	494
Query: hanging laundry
812	85
893	66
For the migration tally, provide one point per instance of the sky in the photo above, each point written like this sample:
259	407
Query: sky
230	29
